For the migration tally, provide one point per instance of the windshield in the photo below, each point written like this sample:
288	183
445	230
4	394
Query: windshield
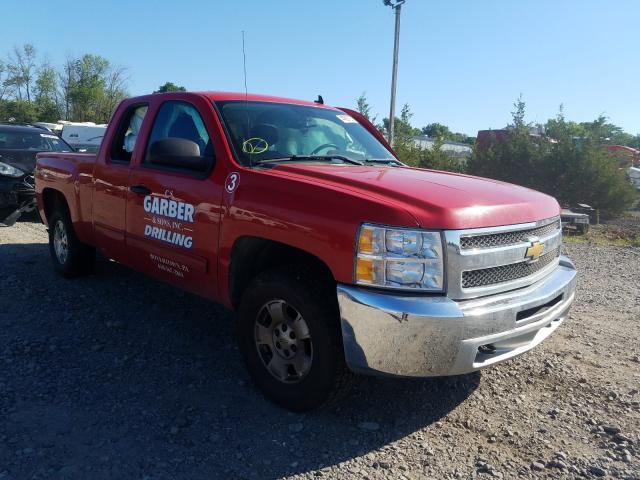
36	141
262	130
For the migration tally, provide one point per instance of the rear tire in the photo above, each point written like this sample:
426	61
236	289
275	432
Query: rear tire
289	335
71	257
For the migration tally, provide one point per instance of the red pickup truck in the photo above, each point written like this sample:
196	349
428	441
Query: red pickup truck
336	257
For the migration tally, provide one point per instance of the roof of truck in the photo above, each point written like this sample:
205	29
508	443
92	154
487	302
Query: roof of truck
252	97
229	96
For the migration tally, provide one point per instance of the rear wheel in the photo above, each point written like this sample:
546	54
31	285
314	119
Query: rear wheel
70	257
289	335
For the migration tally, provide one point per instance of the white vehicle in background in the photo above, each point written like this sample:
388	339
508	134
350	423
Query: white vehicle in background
634	175
85	136
52	127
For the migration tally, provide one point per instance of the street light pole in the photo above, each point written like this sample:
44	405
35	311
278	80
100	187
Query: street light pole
397	6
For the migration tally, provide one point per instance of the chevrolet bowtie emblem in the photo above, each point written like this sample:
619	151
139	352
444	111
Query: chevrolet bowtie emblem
534	251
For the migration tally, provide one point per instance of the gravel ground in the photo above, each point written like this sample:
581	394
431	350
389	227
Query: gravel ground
119	376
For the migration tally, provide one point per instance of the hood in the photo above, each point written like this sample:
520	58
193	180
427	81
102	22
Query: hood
436	199
20	159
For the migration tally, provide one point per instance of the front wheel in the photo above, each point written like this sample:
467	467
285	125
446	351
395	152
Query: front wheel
289	335
70	256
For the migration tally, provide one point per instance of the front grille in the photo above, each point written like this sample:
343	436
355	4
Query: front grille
491	240
506	273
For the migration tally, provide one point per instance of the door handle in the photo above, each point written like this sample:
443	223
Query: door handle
140	189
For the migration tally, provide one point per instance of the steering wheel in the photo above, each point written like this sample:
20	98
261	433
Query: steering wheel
323	146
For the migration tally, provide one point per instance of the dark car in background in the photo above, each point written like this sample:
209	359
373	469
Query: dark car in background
19	145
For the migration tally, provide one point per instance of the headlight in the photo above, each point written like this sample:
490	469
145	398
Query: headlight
400	258
10	171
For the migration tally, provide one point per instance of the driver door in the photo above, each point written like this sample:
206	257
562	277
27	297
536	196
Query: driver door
173	209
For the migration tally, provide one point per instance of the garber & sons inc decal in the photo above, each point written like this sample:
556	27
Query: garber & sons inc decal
170	221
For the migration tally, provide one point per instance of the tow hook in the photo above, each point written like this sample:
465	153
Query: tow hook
488	349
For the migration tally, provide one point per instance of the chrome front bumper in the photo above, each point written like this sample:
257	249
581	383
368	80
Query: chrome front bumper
422	336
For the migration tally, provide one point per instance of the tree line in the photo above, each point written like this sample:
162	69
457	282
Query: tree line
84	88
569	160
404	128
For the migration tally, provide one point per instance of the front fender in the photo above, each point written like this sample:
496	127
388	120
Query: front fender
314	217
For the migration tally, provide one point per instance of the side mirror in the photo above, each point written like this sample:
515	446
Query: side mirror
177	153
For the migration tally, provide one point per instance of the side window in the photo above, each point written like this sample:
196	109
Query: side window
179	120
127	134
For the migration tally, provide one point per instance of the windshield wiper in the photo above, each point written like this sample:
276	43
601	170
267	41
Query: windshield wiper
386	161
295	158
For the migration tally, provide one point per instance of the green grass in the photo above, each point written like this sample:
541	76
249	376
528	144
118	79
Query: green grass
605	235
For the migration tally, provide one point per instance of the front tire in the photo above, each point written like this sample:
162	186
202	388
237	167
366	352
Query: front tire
70	256
289	336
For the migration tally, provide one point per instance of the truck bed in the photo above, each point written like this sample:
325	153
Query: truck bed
70	174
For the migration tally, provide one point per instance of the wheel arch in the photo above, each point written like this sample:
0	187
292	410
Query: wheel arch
252	255
52	199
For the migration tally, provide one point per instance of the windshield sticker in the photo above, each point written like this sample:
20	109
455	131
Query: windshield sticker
47	135
347	119
233	179
255	145
169	221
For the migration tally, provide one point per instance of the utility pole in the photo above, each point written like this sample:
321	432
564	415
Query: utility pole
397	6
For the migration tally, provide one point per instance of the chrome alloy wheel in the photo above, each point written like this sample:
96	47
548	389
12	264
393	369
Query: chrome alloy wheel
60	242
283	341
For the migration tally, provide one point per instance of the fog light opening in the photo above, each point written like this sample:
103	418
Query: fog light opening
488	349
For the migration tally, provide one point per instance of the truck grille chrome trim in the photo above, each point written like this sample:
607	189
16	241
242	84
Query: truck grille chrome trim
486	261
507	238
506	273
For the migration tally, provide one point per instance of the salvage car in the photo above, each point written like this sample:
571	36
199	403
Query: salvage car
335	256
18	148
577	218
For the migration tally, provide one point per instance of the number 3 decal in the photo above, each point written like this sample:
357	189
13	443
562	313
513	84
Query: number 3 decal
233	179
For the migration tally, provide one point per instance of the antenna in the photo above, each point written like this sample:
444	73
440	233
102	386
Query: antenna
246	94
244	65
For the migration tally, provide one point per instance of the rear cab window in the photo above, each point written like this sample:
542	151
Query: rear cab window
127	134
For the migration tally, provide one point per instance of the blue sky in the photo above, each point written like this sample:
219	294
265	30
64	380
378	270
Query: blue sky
462	62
